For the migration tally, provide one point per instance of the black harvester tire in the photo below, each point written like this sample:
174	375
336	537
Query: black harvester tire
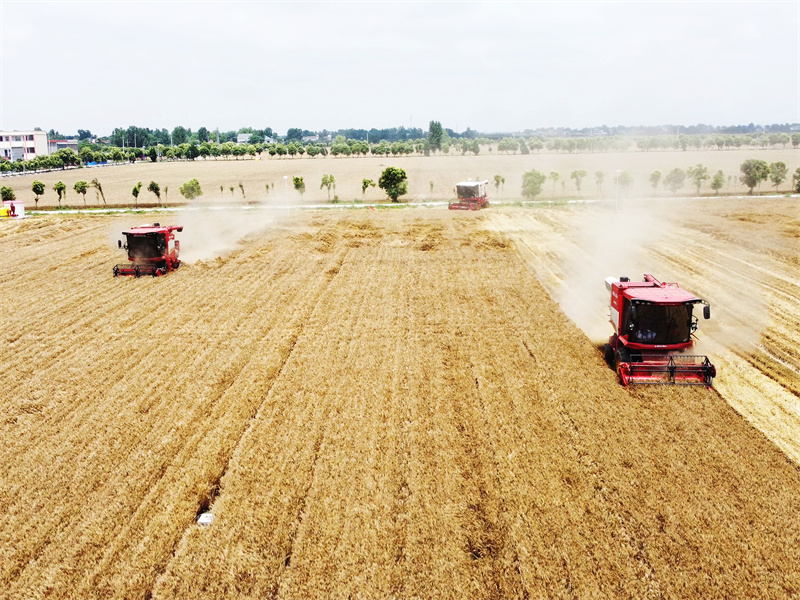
621	356
608	355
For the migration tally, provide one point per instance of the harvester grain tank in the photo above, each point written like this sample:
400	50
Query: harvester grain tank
653	328
471	195
152	250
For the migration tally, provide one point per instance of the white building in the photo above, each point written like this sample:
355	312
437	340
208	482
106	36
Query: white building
23	144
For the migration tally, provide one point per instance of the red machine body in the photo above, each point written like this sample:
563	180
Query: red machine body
152	250
653	328
471	195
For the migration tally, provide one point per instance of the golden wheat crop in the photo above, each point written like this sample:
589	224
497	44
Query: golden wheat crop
443	172
370	404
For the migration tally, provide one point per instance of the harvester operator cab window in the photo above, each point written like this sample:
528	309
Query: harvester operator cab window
467	191
659	324
146	246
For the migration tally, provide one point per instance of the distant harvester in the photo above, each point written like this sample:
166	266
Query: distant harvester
471	195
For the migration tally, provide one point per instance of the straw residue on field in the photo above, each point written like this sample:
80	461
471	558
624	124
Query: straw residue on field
371	420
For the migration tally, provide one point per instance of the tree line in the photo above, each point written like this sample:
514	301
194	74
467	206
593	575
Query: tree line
394	181
753	173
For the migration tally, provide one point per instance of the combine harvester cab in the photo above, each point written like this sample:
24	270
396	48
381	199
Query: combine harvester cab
152	250
471	196
653	328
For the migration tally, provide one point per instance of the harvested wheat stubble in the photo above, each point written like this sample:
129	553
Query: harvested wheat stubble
371	405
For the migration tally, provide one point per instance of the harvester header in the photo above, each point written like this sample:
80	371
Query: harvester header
152	250
653	328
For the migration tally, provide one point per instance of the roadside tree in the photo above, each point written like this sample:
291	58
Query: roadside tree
37	187
368	183
578	176
154	187
674	180
60	188
499	181
191	189
328	182
698	175
599	176
555	177
96	185
394	182
718	182
135	191
532	182
754	171
81	187
299	185
655	178
777	173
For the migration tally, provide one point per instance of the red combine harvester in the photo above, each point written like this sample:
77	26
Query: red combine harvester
471	196
152	250
653	326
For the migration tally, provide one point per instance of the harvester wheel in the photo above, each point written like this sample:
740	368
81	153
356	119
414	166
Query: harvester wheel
136	271
608	355
622	356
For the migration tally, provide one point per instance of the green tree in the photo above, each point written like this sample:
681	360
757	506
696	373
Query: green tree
368	183
135	191
625	179
191	189
179	136
86	155
698	175
96	185
299	185
154	187
7	194
578	176
81	187
655	178
555	177
435	136
394	182
60	188
718	182
327	182
754	171
796	180
532	182
599	176
152	154
202	135
777	173
37	187
499	180
674	180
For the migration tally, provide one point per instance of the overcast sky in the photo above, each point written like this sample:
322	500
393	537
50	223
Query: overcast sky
490	66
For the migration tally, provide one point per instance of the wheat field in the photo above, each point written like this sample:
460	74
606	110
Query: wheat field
392	404
440	172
